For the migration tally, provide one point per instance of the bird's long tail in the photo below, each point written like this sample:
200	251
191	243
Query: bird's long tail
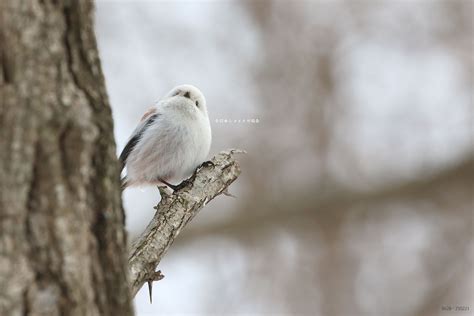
124	182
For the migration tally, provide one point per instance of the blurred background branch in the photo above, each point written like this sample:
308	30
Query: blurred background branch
338	201
356	196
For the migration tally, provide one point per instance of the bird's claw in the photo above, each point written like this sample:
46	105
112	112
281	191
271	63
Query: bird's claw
171	186
188	181
182	185
207	163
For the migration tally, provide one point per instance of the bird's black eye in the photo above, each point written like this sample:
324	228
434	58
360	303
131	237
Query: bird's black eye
197	103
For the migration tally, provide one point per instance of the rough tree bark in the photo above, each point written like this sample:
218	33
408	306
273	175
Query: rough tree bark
62	239
175	211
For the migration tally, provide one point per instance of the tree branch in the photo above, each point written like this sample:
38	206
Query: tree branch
176	210
322	205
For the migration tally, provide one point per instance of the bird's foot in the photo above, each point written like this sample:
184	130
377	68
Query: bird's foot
171	186
183	184
177	187
208	163
190	179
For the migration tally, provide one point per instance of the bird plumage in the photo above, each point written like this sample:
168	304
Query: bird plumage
171	141
133	141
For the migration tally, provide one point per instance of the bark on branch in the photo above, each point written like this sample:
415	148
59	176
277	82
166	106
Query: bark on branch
176	210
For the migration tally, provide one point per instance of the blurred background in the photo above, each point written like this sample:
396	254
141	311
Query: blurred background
356	196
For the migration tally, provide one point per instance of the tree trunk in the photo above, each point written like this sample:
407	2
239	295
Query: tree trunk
62	238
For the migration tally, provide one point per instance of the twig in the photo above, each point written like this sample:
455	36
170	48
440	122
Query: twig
155	277
173	213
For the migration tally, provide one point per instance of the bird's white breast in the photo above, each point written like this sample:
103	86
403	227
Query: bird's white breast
172	147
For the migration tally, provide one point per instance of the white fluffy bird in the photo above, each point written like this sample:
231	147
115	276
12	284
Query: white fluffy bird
172	139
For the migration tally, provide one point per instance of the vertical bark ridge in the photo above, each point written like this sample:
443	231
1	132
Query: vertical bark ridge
62	238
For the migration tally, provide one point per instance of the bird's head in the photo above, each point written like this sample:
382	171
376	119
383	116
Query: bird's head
190	96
